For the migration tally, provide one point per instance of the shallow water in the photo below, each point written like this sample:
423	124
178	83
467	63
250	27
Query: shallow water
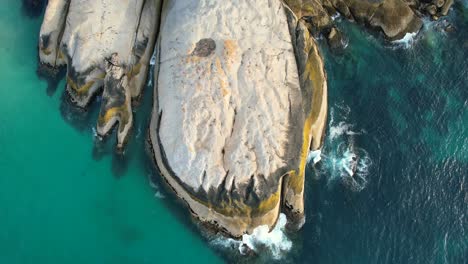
61	200
400	109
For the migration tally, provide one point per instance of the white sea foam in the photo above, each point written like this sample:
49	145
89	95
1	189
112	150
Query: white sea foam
314	156
274	243
335	16
347	164
407	41
153	59
343	160
356	164
95	134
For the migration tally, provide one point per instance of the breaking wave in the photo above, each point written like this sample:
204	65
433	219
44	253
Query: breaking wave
262	241
314	156
342	159
407	41
430	29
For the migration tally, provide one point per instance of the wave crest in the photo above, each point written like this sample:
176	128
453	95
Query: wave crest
262	241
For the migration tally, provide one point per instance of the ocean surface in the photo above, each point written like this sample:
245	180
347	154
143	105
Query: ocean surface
400	109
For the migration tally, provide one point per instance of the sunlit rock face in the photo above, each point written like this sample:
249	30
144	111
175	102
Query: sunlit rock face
239	96
231	124
240	91
106	47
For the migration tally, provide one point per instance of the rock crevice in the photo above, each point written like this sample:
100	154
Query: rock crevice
240	90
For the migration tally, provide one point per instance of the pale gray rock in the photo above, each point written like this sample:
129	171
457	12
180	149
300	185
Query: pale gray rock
239	97
107	46
228	118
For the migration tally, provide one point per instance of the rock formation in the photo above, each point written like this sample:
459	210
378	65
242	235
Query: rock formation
105	45
240	91
233	111
394	18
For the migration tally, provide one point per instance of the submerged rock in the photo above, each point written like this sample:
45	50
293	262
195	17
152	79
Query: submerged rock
394	18
33	8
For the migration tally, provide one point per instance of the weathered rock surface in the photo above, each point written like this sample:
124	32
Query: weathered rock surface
106	45
236	109
394	18
240	94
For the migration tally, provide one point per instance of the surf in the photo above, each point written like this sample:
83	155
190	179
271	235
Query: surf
273	244
342	159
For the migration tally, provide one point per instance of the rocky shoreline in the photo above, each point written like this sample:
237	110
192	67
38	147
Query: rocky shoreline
393	18
240	90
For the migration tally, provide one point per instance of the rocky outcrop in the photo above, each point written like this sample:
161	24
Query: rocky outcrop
106	46
240	95
394	18
240	91
435	8
236	109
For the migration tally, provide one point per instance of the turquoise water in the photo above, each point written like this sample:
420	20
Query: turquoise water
58	204
66	198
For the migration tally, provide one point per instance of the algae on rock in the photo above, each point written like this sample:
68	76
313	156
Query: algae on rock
105	45
240	91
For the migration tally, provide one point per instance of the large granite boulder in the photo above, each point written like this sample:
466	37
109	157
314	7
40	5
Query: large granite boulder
394	18
106	47
239	97
239	100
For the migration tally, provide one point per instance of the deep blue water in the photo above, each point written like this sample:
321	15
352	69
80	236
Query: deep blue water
408	108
